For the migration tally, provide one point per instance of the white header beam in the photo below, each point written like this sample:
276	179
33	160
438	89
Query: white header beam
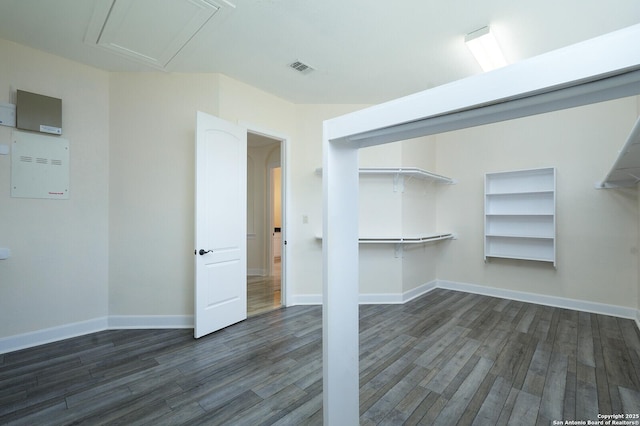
603	57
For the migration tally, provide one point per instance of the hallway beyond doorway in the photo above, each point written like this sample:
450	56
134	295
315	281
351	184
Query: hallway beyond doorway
263	293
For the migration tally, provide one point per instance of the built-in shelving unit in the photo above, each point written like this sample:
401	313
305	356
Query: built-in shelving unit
520	221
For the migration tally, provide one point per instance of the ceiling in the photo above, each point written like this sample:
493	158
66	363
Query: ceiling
361	51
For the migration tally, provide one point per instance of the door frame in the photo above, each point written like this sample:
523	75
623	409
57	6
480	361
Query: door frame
270	215
285	194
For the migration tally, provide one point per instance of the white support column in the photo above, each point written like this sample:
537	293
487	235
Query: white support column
340	284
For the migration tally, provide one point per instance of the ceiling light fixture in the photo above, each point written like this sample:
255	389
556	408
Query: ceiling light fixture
485	49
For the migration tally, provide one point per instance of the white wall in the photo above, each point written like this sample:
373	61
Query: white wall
58	271
596	229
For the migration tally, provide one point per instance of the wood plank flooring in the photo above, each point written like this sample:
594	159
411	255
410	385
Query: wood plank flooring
445	358
263	294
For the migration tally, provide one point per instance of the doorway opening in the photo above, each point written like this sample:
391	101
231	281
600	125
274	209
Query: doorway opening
265	254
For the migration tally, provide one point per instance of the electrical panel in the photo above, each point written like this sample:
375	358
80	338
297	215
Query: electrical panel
38	113
39	166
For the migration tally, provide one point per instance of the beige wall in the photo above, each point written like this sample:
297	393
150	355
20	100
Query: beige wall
58	271
152	180
392	213
256	109
596	229
304	251
151	204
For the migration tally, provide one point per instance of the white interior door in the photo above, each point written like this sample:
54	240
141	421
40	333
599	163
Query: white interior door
221	222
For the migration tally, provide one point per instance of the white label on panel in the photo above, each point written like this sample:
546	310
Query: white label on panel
50	129
39	166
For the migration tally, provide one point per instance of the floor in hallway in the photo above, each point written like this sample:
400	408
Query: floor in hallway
263	293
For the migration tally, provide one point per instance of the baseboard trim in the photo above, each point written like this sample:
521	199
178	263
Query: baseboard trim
380	299
305	299
541	299
419	291
371	298
150	321
113	322
53	334
257	272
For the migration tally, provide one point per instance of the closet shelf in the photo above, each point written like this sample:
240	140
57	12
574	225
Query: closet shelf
405	240
524	237
625	171
402	239
412	172
531	258
541	192
526	214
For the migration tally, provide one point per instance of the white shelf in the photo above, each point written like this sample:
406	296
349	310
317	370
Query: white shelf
539	237
412	172
402	239
498	194
625	171
520	215
405	240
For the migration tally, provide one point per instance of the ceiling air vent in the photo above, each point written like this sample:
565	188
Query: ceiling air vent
301	67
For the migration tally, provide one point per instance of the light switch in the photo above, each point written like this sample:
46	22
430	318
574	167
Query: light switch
4	149
7	115
5	253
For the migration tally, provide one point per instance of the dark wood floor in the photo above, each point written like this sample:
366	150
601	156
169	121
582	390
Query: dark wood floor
446	358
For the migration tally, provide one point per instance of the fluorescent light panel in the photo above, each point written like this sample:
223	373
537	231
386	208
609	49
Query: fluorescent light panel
485	49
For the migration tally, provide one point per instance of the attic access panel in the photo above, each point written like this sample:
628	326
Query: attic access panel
149	31
39	166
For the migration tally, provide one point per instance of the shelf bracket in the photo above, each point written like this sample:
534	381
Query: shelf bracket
398	183
399	251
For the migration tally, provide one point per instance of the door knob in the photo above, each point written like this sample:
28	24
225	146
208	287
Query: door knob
202	252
